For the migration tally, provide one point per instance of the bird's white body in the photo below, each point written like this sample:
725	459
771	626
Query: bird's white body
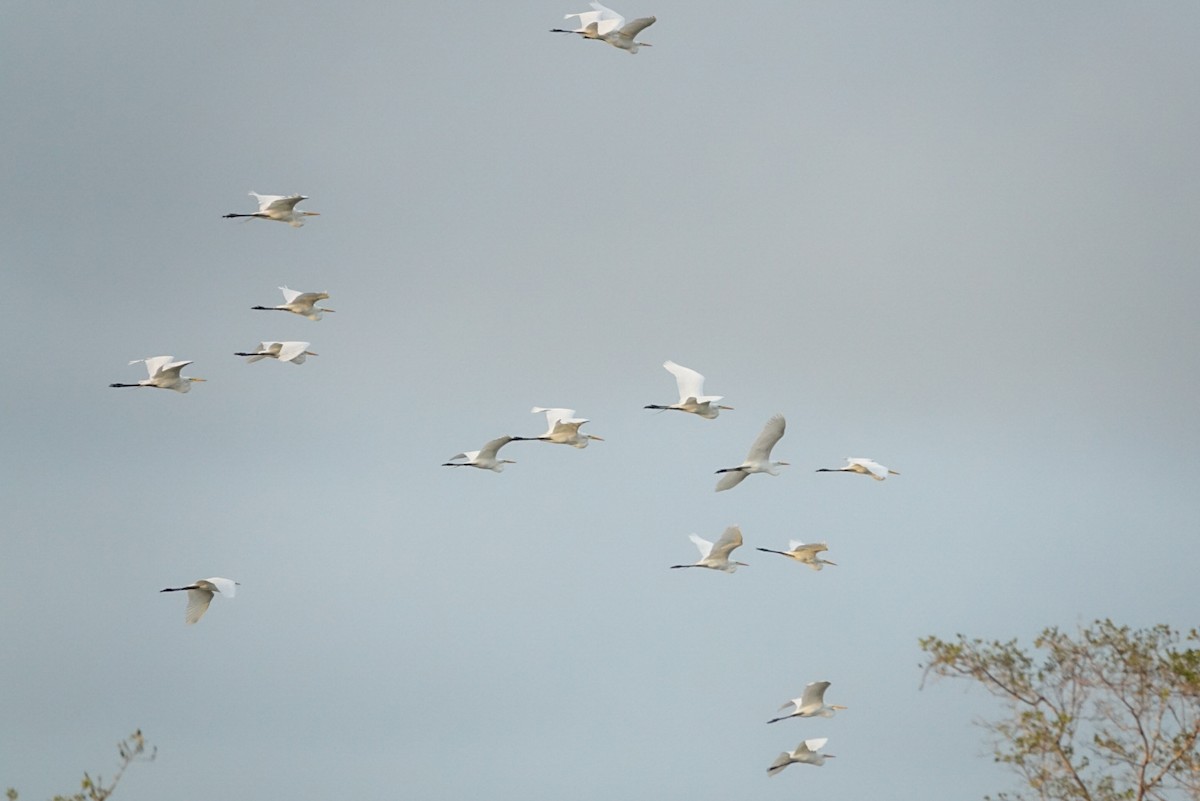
716	556
691	393
281	208
485	458
294	352
758	460
864	467
807	753
200	594
811	704
805	553
563	428
163	374
301	303
605	25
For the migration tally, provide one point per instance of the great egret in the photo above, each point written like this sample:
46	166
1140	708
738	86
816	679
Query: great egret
164	374
301	303
564	428
809	705
691	393
716	557
294	352
279	207
804	553
605	25
200	594
484	458
758	460
864	467
806	752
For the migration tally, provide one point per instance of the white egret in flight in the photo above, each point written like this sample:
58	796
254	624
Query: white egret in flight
691	393
484	458
809	705
200	594
564	428
807	752
294	352
759	458
279	207
716	557
301	303
605	25
164	374
864	467
804	553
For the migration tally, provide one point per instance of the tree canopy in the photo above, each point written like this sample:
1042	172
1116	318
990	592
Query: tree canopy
1109	714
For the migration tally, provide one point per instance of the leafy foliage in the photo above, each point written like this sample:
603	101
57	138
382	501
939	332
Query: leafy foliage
1112	714
131	749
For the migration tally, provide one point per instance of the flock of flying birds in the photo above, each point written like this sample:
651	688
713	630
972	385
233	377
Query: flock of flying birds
600	24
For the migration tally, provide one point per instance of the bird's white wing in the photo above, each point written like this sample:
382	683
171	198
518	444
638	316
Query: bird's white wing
265	201
772	432
690	383
704	546
876	470
607	19
198	601
732	538
278	203
814	744
308	298
289	295
586	18
814	693
171	370
566	427
553	416
781	762
289	351
795	545
637	26
227	587
489	450
731	479
154	363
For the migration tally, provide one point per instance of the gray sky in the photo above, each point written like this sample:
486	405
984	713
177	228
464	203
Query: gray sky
959	238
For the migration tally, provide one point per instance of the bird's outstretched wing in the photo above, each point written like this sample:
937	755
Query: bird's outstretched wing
875	469
731	479
490	449
637	26
690	383
278	202
555	417
289	295
154	363
170	370
292	351
814	693
606	19
730	539
198	601
227	587
704	546
772	432
781	762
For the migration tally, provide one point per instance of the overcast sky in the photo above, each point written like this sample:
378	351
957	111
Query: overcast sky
959	238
